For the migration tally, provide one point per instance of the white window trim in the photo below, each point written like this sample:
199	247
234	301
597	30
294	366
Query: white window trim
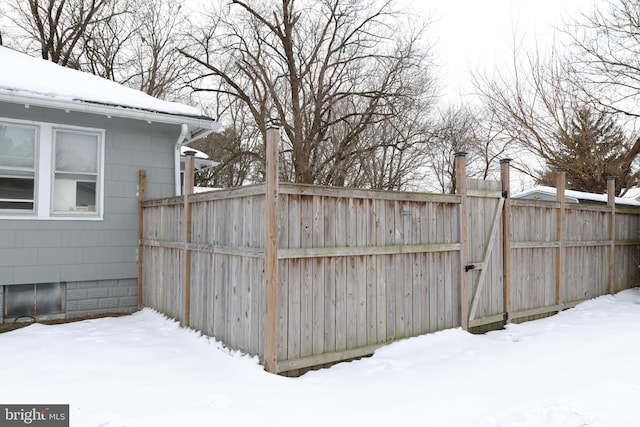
31	212
44	174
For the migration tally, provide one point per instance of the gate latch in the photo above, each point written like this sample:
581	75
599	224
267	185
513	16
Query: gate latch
469	267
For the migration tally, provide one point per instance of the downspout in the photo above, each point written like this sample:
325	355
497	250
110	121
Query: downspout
184	131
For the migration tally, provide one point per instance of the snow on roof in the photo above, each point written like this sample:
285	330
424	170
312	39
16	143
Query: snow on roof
632	193
578	195
28	77
202	160
198	190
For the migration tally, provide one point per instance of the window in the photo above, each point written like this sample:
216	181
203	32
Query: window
17	167
49	171
75	171
40	299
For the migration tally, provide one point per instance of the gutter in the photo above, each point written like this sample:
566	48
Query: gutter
203	134
205	125
149	116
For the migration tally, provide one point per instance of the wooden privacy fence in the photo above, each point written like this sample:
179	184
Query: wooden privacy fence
306	275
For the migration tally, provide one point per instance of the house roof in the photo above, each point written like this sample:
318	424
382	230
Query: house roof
34	81
571	196
202	159
198	154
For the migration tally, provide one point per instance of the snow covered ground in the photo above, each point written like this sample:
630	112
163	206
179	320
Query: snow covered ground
579	368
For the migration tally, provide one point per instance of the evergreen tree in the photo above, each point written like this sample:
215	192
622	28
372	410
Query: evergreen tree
592	148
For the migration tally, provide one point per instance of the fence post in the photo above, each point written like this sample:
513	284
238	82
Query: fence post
506	237
611	201
560	186
188	189
271	253
142	194
460	164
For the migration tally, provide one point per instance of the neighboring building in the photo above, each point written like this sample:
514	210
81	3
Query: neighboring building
570	196
632	194
201	162
71	146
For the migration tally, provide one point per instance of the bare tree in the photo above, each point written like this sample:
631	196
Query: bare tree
237	162
57	26
238	149
491	144
606	55
326	70
134	42
468	129
397	162
453	132
106	49
156	66
537	108
139	47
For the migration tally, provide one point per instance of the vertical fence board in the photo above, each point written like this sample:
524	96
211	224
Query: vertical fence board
330	277
318	282
361	239
341	276
306	278
293	225
390	271
352	281
283	279
381	278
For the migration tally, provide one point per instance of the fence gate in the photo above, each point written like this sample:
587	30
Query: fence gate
484	240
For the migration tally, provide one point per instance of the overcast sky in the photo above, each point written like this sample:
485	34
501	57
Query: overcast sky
477	34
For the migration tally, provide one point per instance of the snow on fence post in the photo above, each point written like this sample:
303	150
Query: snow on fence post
188	189
460	164
506	237
271	252
142	194
611	201
560	186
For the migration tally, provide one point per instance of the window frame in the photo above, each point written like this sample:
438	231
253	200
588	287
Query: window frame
58	291
98	173
36	129
45	173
